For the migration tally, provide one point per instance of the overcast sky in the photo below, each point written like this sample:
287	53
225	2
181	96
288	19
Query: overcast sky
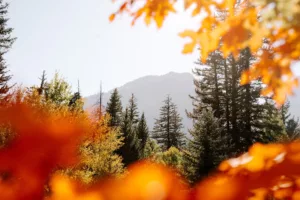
76	38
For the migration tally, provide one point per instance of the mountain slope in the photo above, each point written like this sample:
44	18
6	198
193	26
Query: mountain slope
150	92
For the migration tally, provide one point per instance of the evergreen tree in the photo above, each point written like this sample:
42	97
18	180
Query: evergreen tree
206	148
133	110
75	97
41	89
238	107
284	110
114	109
130	148
5	44
178	137
4	79
293	128
209	88
143	134
76	103
273	128
167	129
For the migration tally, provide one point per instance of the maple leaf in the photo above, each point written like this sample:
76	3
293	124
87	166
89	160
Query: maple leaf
189	47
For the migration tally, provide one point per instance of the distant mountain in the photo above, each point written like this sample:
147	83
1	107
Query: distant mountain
150	92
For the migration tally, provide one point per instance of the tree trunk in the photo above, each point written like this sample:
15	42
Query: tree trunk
217	104
227	98
235	131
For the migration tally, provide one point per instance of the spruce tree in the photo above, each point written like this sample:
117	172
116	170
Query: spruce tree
206	147
133	110
114	109
238	107
284	111
167	129
293	128
178	137
130	148
273	127
143	134
5	44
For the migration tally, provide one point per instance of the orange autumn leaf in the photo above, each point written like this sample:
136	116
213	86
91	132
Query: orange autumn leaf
151	181
65	188
221	187
189	47
41	145
112	17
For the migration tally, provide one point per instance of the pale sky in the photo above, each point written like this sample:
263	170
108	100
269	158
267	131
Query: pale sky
76	38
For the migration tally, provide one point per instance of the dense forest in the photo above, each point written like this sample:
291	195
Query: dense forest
228	118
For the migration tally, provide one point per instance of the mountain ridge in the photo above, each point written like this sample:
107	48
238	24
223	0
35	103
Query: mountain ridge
151	90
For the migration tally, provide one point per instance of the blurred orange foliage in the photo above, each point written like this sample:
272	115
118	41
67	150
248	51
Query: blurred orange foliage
45	144
247	23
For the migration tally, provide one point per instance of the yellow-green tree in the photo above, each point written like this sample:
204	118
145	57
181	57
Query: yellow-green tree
98	157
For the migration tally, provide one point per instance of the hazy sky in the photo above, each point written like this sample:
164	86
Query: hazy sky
76	38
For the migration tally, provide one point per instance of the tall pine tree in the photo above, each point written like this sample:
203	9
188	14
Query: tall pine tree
178	137
130	148
205	149
133	110
143	134
239	108
167	129
6	42
114	109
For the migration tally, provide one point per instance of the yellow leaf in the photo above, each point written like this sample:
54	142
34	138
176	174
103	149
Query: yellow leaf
189	48
159	20
147	20
230	5
196	11
112	17
188	33
188	3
